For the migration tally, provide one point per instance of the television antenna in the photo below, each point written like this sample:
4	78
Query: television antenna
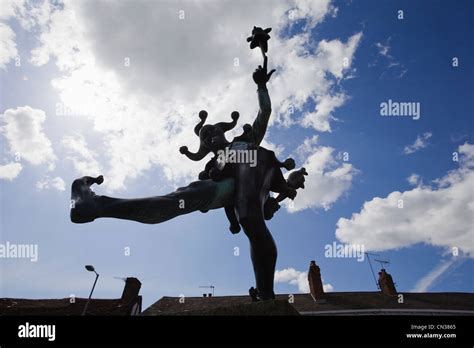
382	262
208	287
371	268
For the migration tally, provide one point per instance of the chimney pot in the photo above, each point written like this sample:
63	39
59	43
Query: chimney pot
386	283
315	284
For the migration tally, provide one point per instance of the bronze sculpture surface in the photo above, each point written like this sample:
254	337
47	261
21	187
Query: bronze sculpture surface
241	187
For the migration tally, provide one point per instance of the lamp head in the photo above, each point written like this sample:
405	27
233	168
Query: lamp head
90	268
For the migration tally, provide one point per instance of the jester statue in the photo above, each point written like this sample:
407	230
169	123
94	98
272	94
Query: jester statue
242	187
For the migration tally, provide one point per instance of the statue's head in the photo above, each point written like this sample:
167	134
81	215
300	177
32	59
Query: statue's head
211	137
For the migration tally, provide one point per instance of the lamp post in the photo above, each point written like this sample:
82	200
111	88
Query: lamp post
90	268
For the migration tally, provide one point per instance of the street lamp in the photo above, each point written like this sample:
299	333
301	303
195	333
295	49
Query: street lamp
90	268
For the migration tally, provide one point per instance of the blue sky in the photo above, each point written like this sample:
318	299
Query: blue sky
408	60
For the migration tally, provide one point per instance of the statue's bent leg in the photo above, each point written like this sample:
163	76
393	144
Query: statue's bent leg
251	189
199	195
263	252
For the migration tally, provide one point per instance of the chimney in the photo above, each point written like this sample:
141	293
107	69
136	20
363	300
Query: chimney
386	283
131	290
315	283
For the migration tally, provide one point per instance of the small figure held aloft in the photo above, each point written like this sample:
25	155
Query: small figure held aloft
259	38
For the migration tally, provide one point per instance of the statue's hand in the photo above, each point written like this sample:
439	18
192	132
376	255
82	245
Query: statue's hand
183	149
260	75
270	207
291	193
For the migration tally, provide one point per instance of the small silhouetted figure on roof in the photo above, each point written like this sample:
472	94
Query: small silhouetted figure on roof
253	294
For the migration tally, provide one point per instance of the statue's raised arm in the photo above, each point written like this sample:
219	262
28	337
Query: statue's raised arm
259	127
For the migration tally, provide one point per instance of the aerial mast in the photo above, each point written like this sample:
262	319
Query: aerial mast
371	269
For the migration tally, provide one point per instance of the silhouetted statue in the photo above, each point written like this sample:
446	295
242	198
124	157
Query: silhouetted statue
240	187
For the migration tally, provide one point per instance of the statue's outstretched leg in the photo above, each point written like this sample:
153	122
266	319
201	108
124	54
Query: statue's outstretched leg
199	195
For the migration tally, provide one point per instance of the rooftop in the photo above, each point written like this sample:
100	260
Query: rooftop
335	303
63	306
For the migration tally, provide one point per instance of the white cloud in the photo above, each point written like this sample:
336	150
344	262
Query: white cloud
144	112
307	147
414	179
84	160
7	10
328	179
313	11
383	48
320	118
58	38
420	143
328	288
440	215
313	74
8	49
29	14
32	14
336	55
298	278
466	152
394	69
48	183
436	274
10	171
23	129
